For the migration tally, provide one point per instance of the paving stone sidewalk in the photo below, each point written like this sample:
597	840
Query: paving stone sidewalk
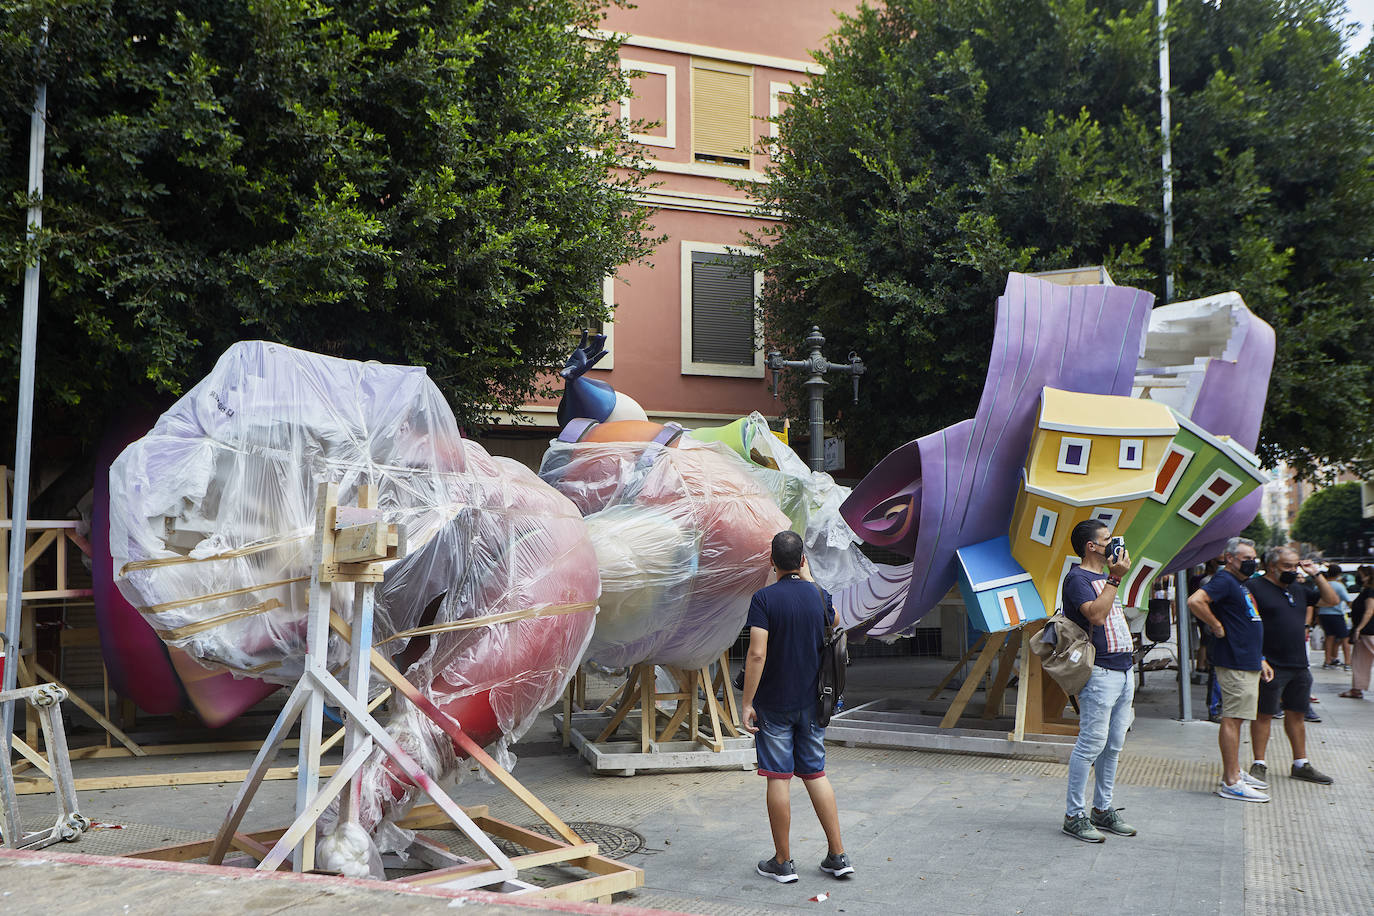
941	833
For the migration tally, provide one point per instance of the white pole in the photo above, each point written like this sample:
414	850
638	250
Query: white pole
24	433
1165	130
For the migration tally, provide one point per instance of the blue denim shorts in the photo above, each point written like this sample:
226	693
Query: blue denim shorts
790	743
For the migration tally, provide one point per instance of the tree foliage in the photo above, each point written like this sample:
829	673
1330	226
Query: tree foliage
433	184
1330	519
949	143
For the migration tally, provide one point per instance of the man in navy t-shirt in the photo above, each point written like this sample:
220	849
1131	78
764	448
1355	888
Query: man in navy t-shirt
1104	704
787	622
1285	605
1228	611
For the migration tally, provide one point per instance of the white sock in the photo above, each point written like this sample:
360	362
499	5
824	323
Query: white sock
1298	763
1260	763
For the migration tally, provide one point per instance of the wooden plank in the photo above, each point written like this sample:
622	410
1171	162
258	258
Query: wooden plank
81	543
954	671
7	524
187	852
94	713
46	539
101	752
626	704
31	755
993	706
442	875
648	703
980	667
431	815
361	543
1018	732
459	737
159	780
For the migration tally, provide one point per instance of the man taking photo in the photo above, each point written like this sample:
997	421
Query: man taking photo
1104	704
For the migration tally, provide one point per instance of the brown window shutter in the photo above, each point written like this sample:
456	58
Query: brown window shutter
722	111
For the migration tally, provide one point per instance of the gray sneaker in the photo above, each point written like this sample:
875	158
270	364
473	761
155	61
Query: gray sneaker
837	864
1258	775
782	872
1111	821
1080	828
1307	773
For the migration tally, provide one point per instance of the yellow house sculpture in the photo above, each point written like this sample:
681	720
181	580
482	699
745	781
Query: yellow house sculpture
1091	456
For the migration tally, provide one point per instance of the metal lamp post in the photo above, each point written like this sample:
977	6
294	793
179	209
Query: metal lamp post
818	366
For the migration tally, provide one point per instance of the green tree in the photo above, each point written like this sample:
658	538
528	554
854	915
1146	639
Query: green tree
949	143
1258	531
434	184
1330	519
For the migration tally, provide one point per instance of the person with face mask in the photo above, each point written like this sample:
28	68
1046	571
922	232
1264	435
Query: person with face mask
1227	610
1286	609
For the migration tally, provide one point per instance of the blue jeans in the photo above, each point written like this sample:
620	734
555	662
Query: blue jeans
1104	715
790	742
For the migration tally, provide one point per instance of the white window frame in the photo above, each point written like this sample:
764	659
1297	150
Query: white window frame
775	91
1064	444
1205	490
1015	596
1042	512
1126	463
1113	516
1144	570
670	115
726	370
608	326
1069	563
1178	475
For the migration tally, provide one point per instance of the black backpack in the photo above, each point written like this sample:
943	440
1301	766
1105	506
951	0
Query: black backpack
830	680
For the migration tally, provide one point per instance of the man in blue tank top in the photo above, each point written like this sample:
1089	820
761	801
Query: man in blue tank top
787	622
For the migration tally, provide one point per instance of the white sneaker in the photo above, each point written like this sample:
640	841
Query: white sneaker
1241	792
1252	782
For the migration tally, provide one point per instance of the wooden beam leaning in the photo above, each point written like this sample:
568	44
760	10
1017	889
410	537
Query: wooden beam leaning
455	732
980	668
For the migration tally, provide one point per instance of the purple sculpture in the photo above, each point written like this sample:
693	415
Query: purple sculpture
958	486
1210	359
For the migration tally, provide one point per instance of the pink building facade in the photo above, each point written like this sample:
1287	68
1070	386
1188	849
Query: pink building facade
708	74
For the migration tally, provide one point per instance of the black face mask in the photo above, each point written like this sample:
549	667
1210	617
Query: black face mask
1248	567
1288	577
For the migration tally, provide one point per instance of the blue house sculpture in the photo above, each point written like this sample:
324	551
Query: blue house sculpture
998	593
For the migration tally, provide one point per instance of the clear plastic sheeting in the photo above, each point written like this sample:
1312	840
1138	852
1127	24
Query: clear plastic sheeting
682	535
505	603
811	500
212	513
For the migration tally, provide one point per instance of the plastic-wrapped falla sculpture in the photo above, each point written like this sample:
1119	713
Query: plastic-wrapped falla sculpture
682	535
212	515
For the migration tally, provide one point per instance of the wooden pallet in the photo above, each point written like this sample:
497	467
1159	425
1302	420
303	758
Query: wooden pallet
603	876
633	732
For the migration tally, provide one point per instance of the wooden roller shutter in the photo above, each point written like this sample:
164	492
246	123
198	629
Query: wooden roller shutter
722	112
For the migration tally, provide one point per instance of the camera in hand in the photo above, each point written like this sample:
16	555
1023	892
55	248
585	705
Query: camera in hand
1115	547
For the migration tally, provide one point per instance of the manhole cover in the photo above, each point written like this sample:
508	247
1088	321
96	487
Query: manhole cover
612	841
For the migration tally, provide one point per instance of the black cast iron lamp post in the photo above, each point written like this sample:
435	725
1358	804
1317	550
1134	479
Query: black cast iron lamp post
818	366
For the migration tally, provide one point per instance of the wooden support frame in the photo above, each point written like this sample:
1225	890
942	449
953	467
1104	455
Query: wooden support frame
363	733
695	705
1040	701
606	876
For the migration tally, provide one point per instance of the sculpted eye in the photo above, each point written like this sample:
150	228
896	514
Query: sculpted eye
894	519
